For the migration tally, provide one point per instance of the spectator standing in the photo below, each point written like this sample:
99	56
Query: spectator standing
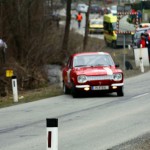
79	19
133	16
140	16
142	41
147	42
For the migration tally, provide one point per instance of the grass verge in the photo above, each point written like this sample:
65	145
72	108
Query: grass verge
31	95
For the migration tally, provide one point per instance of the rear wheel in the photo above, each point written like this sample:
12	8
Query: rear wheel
114	44
65	89
91	32
106	43
120	92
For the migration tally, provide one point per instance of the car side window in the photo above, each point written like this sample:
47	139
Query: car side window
69	64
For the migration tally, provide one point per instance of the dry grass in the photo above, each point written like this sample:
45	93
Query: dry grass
31	95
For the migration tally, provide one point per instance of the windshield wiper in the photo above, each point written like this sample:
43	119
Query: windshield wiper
80	66
100	65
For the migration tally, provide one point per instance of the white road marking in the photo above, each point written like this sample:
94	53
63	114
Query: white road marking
140	95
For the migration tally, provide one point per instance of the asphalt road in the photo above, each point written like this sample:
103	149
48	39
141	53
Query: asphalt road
87	123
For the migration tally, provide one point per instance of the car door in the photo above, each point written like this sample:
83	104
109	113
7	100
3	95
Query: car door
66	72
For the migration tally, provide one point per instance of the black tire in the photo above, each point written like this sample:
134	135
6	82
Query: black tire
106	43
65	89
120	92
74	92
114	44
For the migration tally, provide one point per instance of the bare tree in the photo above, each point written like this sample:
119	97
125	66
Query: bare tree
29	35
67	30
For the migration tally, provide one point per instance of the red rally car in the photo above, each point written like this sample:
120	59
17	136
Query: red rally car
92	71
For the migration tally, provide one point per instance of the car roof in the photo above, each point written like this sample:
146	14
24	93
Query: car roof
144	25
143	29
82	4
90	53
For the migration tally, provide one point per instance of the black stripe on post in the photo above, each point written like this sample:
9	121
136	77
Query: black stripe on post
49	139
13	77
53	122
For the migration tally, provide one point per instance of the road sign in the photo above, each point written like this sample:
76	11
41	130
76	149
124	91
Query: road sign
122	12
9	73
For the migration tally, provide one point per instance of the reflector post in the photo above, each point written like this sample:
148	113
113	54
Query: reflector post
15	88
52	134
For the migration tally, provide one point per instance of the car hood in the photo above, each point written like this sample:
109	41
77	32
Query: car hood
89	71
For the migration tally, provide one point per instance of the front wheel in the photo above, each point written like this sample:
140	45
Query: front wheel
74	92
120	92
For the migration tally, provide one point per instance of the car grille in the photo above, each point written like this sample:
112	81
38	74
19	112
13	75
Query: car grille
92	78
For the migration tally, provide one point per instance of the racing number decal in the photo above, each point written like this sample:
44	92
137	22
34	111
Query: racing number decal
109	71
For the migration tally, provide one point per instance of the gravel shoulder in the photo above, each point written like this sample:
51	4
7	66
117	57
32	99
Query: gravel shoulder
139	143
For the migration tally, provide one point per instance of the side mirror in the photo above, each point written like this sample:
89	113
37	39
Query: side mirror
117	65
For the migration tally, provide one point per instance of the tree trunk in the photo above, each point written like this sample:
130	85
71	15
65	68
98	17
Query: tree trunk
85	40
67	30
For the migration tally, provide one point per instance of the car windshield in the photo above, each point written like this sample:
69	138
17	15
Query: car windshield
93	60
114	8
97	22
94	6
137	35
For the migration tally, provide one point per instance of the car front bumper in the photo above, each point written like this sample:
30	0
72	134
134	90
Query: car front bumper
110	88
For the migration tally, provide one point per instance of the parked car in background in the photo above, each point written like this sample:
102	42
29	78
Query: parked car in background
108	1
137	35
113	9
91	72
144	25
82	8
96	26
73	6
94	8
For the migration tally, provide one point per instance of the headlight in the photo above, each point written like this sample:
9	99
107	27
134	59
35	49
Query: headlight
117	77
82	79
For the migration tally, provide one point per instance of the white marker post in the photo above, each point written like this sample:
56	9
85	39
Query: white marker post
52	134
141	59
14	88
